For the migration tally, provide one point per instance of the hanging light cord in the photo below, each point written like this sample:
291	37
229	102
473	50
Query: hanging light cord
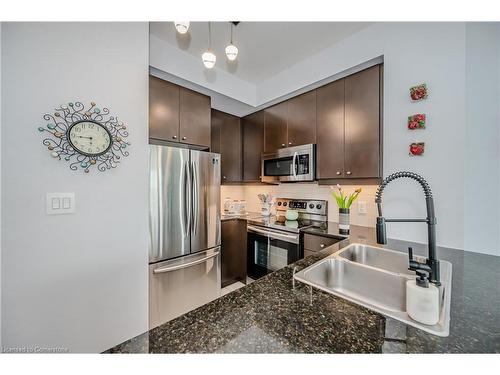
231	26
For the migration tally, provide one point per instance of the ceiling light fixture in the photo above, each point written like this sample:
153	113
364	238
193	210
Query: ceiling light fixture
182	27
231	49
209	57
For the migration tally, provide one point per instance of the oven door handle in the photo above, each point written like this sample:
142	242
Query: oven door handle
272	234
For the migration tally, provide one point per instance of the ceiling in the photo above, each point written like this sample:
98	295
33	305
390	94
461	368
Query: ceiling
265	48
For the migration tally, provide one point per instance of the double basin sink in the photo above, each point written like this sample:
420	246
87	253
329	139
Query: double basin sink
376	278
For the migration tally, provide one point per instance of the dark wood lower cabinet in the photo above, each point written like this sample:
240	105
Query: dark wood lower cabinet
314	243
234	251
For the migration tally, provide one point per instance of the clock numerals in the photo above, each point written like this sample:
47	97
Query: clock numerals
89	138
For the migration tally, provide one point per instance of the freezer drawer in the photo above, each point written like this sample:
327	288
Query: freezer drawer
180	285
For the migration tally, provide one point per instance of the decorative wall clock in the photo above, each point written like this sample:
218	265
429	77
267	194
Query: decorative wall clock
85	137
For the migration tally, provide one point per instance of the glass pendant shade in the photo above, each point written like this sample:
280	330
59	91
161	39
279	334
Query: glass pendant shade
182	27
231	52
208	59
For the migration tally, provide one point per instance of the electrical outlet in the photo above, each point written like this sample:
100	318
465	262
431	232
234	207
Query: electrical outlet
60	203
362	207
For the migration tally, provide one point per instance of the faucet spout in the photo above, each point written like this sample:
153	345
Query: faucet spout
432	262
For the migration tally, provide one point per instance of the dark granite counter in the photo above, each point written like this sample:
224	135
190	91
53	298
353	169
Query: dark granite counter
271	316
246	216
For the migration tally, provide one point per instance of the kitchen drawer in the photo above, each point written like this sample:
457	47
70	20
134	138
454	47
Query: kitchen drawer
317	243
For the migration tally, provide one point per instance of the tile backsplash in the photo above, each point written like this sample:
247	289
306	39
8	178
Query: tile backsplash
307	191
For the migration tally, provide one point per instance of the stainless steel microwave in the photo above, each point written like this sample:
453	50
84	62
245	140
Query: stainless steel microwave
290	164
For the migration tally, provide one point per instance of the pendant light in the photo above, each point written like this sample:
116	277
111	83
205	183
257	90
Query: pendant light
209	57
182	27
231	49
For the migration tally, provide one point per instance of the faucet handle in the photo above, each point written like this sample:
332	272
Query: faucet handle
412	266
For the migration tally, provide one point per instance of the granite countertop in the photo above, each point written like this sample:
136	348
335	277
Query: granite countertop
271	316
245	216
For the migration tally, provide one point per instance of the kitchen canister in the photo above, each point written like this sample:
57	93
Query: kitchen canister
266	209
292	215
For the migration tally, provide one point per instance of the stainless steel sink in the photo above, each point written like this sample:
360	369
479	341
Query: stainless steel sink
376	278
377	257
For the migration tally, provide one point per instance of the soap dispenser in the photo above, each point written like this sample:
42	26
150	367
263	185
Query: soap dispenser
422	299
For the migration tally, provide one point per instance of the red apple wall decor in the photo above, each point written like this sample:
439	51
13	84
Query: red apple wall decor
418	92
416	121
417	149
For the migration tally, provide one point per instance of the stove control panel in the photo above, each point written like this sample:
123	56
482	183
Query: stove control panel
304	206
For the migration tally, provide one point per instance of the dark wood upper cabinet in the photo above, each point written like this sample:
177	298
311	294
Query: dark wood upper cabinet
252	127
349	127
177	114
226	133
275	127
302	119
194	118
362	124
163	110
330	130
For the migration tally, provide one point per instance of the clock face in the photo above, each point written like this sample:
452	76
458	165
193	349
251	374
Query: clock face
89	138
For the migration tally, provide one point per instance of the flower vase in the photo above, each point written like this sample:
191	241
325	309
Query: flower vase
344	221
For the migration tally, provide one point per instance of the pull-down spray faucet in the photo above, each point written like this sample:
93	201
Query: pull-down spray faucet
432	263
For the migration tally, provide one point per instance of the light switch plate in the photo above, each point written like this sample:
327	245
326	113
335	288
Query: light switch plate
60	203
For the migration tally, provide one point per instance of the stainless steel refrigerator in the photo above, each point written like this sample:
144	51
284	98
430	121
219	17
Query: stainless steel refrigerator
184	255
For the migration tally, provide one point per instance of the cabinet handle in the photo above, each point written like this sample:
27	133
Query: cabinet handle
184	138
289	143
348	173
338	173
283	145
223	177
322	245
174	137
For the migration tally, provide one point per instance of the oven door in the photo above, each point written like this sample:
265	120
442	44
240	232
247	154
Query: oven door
269	250
290	164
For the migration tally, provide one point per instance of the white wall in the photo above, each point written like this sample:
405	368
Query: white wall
482	188
73	281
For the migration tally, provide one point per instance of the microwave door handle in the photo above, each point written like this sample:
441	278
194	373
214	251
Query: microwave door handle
294	163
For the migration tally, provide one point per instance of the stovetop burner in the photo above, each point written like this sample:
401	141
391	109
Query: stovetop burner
311	213
280	223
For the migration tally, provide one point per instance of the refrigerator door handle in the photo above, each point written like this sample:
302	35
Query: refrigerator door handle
195	198
187	198
185	265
